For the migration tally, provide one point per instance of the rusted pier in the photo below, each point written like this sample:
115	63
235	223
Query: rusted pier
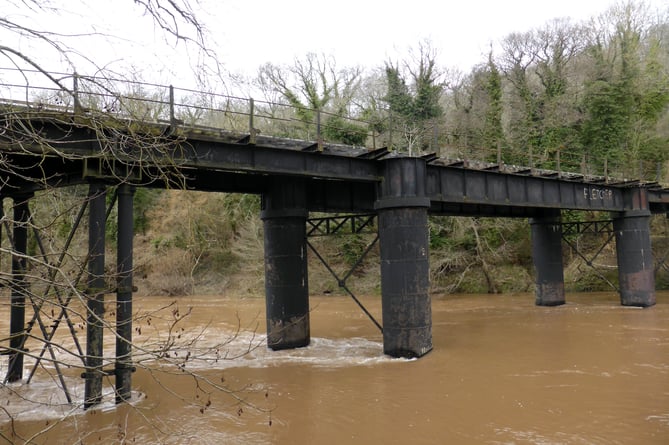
123	366
95	293
635	258
17	322
284	216
546	233
631	229
405	270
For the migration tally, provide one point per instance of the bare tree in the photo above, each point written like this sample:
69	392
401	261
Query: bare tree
49	273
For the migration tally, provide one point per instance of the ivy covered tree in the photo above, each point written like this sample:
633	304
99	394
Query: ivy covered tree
493	132
628	91
413	97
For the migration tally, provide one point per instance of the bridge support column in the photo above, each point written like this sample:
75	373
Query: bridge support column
635	258
284	218
19	288
95	293
123	366
405	269
547	257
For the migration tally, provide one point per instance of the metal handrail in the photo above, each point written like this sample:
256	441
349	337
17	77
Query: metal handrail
154	102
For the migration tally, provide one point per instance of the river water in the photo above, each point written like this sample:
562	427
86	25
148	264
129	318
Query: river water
502	371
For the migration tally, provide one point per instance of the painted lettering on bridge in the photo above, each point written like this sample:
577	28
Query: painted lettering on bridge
594	194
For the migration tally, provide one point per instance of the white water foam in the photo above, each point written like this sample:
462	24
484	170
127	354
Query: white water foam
249	350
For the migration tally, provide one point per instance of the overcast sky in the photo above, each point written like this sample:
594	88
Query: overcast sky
248	33
368	32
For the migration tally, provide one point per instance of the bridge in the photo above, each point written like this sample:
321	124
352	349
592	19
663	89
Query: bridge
60	136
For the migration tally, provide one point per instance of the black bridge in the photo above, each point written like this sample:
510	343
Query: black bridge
43	145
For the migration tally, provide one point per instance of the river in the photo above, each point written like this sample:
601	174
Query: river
503	371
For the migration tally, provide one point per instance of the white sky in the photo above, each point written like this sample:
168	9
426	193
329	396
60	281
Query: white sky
367	32
248	33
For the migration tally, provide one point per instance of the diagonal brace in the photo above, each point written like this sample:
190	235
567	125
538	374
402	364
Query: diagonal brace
342	281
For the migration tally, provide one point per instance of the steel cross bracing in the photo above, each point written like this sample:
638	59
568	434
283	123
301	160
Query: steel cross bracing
345	225
348	224
580	227
575	229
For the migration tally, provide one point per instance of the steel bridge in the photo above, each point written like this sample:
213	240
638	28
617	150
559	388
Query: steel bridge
47	145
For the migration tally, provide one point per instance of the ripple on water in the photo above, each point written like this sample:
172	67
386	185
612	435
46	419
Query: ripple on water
41	400
322	352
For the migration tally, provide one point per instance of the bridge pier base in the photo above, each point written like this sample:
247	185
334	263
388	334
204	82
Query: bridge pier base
547	257
95	294
19	288
123	367
284	218
635	258
405	270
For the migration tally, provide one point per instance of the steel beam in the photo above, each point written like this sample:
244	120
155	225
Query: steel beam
95	291
635	258
500	190
546	235
123	366
284	218
19	289
405	268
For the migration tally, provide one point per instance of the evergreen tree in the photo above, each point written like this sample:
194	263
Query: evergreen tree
414	107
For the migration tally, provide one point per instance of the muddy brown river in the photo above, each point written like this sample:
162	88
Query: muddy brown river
503	371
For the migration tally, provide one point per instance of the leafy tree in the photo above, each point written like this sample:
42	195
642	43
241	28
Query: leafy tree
493	133
627	92
414	106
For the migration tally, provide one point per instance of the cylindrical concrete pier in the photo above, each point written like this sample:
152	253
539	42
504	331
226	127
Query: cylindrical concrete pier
635	258
284	217
546	235
405	268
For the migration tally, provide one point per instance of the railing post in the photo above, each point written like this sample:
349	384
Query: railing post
390	131
252	130
606	169
557	162
319	136
173	119
530	154
75	93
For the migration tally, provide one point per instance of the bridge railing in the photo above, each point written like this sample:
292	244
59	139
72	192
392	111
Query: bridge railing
209	110
151	102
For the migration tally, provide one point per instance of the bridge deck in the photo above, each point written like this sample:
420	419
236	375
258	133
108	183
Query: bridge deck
73	147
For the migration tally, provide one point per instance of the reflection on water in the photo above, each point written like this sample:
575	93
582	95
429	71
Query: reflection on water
503	371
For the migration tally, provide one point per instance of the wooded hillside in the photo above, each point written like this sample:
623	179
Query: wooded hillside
587	97
583	97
